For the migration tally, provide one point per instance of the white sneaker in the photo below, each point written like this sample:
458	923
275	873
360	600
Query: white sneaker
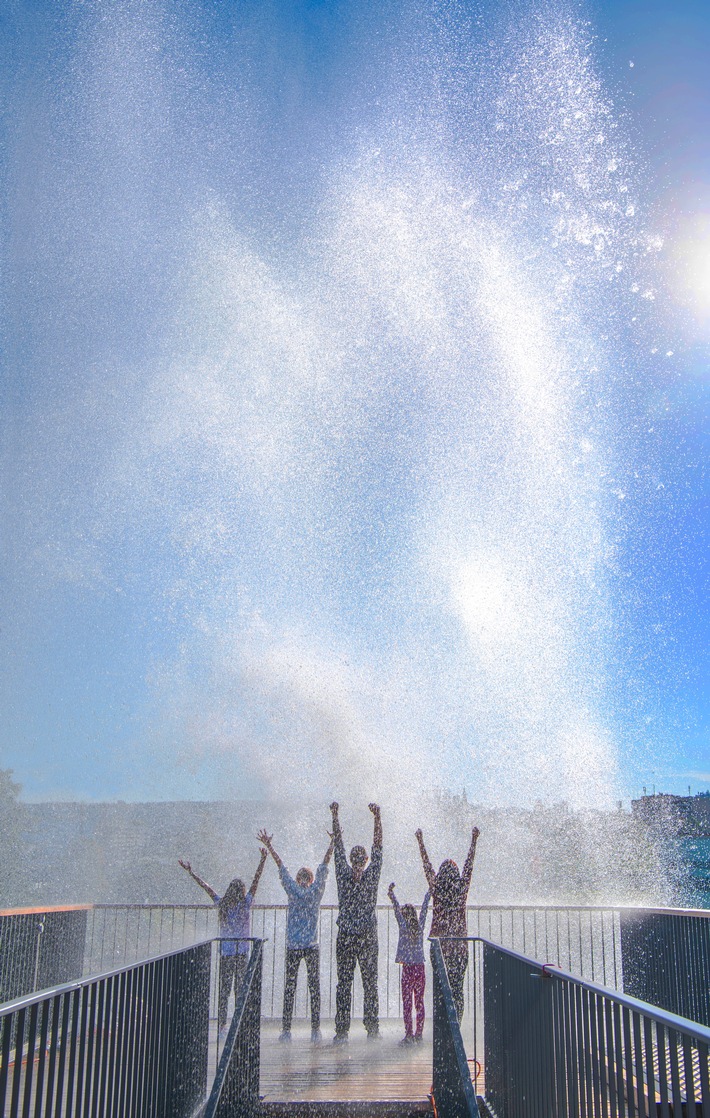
285	1036
316	1036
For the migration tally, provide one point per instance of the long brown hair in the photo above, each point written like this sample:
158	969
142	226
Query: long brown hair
234	894
411	920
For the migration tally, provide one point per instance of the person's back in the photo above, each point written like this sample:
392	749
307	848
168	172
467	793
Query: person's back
410	946
303	906
357	896
449	891
356	943
305	894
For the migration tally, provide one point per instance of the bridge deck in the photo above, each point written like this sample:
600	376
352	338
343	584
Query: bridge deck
361	1070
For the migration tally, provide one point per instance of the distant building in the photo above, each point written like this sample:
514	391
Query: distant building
680	816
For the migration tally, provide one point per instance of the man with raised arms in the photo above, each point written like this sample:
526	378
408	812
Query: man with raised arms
356	942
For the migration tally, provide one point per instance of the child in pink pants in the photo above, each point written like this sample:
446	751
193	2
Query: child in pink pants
410	953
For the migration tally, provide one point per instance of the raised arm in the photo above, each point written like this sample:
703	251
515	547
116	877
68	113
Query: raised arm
265	840
425	907
468	864
393	898
259	870
338	845
377	833
195	877
428	868
329	852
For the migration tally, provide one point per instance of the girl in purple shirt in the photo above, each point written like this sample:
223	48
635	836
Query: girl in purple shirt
410	953
234	913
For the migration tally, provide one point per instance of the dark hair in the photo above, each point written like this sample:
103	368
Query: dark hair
358	854
447	883
411	920
234	893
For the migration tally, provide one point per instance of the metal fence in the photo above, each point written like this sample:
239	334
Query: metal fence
585	941
236	1084
546	1044
40	948
131	1042
452	1089
666	961
662	956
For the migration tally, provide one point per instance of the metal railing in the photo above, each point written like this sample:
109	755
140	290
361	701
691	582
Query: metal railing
132	1042
662	956
41	948
236	1085
547	1044
583	940
452	1089
666	961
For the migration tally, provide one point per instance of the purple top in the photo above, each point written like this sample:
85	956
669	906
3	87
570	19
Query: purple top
410	949
236	923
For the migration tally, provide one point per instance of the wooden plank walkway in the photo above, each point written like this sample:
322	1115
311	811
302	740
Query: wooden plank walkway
360	1071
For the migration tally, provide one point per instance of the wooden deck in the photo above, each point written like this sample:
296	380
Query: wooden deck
361	1071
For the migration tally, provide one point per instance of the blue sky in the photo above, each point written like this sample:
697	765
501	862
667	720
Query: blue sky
355	366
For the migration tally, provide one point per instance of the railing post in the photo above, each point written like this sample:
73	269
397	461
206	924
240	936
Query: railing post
454	1096
235	1091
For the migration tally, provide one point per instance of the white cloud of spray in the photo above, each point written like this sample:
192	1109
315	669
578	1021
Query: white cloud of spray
365	467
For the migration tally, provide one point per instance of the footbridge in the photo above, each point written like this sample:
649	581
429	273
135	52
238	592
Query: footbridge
536	1041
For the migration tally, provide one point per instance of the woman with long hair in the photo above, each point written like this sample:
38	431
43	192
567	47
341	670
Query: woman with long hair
234	915
449	891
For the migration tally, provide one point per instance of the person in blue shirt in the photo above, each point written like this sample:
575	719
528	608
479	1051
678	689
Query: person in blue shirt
304	897
234	913
410	953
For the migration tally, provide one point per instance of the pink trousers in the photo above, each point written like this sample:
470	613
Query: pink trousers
413	982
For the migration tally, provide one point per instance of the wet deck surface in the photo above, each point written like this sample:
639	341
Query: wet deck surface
361	1070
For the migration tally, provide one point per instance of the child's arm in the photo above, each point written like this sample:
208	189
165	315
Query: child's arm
395	902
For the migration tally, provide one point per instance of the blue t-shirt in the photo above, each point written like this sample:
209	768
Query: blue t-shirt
303	907
236	922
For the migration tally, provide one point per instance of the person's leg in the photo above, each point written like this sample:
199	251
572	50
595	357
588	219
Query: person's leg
240	971
407	999
418	985
293	961
312	957
367	958
456	962
345	957
226	976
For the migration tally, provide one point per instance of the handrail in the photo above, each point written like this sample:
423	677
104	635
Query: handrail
565	1045
239	1018
452	1086
662	1016
80	983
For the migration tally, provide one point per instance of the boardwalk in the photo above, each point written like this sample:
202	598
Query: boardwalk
361	1070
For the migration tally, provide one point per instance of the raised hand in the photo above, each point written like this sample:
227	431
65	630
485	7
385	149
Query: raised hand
390	891
185	865
334	807
264	837
419	835
474	834
374	808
